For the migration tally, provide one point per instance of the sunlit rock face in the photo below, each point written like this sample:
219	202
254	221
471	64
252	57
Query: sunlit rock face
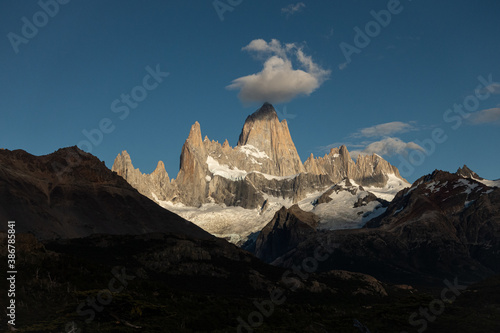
262	170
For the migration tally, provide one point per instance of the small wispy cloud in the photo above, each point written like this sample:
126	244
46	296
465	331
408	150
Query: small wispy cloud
293	8
279	81
388	147
487	116
386	129
343	66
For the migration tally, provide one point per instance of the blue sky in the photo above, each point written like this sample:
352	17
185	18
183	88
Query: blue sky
391	98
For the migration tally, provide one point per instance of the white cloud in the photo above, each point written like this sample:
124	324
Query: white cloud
293	8
486	116
388	147
343	66
279	81
265	48
386	129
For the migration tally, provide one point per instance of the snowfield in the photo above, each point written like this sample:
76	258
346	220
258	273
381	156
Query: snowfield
232	223
389	191
224	170
237	224
234	174
340	213
250	150
490	183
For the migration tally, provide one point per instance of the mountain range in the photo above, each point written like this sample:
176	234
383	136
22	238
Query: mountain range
328	245
254	179
443	225
260	196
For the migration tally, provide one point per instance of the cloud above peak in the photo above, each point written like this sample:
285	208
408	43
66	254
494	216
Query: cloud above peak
379	139
388	147
386	129
279	81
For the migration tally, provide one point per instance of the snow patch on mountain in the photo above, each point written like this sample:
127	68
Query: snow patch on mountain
398	211
490	183
389	191
224	170
251	150
271	177
233	223
235	174
469	186
436	186
340	213
236	224
346	210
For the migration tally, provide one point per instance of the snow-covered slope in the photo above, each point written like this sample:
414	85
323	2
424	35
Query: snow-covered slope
468	173
345	205
392	187
349	206
234	223
224	170
234	191
490	183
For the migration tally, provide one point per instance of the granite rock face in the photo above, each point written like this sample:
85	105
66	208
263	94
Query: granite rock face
467	173
368	170
157	182
263	170
264	131
190	186
264	163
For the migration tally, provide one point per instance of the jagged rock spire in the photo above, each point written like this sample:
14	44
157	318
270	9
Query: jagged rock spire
467	173
264	131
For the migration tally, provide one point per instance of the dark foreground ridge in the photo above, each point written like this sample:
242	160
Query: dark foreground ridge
94	255
70	194
169	283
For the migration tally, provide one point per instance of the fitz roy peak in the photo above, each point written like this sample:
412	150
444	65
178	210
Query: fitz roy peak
264	131
217	183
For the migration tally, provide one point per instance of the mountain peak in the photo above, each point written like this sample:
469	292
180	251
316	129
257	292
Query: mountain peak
467	173
264	131
343	151
124	155
266	112
194	137
195	132
437	175
160	168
